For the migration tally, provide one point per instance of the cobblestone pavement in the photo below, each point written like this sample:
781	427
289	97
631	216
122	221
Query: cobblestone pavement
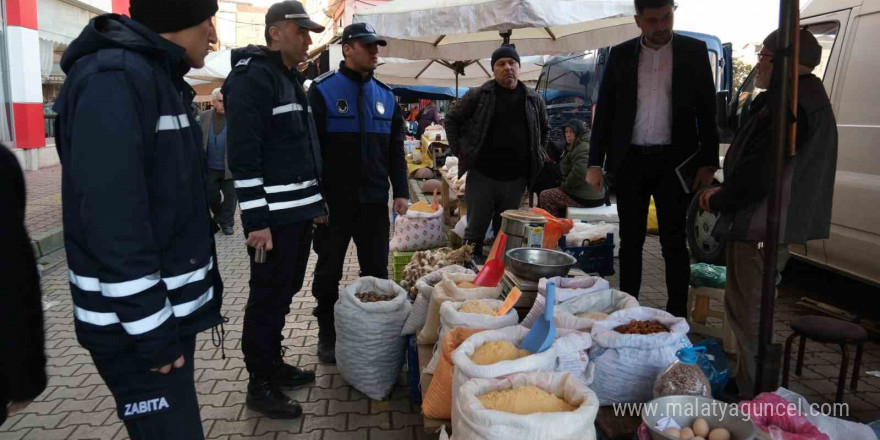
43	200
77	405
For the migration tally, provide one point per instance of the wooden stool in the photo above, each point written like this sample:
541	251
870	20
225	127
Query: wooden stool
828	331
698	311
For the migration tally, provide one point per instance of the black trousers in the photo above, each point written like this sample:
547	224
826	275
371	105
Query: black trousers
221	197
486	199
152	405
640	177
273	285
369	225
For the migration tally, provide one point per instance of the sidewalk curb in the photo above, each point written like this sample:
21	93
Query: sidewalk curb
48	242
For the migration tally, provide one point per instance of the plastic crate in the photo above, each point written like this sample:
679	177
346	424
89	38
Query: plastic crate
593	259
400	260
412	373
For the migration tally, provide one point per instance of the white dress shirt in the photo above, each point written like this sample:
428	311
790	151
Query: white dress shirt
654	105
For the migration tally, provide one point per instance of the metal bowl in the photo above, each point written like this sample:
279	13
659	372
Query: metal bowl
685	409
537	263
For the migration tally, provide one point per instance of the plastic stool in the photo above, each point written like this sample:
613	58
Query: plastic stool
723	332
828	331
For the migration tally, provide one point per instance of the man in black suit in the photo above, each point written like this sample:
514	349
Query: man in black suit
656	111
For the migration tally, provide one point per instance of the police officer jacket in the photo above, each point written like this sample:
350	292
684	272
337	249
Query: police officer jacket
360	128
273	149
137	231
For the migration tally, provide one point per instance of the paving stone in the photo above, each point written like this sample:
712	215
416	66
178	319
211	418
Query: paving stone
226	427
269	436
358	406
314	435
49	434
68	405
38	421
15	435
329	393
389	405
86	418
399	434
318	408
85	432
225	375
216	400
71	393
347	435
381	420
266	424
225	385
221	413
41	408
399	419
311	423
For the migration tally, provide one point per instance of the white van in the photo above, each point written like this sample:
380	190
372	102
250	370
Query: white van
849	31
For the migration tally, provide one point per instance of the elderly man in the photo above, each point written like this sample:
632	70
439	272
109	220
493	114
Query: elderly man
499	131
748	176
221	191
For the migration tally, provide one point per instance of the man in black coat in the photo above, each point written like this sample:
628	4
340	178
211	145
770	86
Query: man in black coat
22	357
654	132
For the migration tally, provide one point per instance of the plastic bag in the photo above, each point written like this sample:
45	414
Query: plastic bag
833	427
714	365
473	421
554	229
684	377
369	348
627	364
769	409
708	275
416	231
438	399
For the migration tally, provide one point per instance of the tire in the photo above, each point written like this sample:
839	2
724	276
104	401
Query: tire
703	246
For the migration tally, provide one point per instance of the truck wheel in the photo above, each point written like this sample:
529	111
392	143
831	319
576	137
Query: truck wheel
703	246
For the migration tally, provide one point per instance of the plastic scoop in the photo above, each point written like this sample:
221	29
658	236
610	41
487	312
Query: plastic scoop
543	332
512	298
492	272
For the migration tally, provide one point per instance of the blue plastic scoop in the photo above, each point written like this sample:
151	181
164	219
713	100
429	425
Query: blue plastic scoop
543	332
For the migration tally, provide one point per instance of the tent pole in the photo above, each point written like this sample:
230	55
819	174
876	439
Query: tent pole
456	84
769	354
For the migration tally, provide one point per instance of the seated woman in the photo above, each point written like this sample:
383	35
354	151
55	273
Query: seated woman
574	191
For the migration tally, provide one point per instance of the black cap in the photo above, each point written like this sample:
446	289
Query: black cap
154	13
294	11
363	32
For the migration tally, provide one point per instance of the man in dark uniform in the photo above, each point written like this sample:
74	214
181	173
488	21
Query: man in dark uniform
137	230
276	163
361	133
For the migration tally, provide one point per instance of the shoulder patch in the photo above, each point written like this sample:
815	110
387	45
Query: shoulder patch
323	76
381	83
243	63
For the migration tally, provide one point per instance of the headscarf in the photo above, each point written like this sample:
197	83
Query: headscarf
576	126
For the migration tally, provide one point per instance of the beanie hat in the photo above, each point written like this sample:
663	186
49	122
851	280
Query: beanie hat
505	51
810	50
172	15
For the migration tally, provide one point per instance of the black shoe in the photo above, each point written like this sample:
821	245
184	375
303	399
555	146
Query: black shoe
288	376
327	353
265	398
227	230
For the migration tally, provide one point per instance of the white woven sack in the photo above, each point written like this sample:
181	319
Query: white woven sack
475	422
446	290
369	348
606	301
567	289
425	287
625	366
450	317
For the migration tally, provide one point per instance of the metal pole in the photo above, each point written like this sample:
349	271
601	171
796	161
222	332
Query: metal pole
456	84
767	369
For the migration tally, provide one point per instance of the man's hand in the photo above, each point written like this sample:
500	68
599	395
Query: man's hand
323	219
705	196
15	407
399	206
165	369
260	239
704	178
595	178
